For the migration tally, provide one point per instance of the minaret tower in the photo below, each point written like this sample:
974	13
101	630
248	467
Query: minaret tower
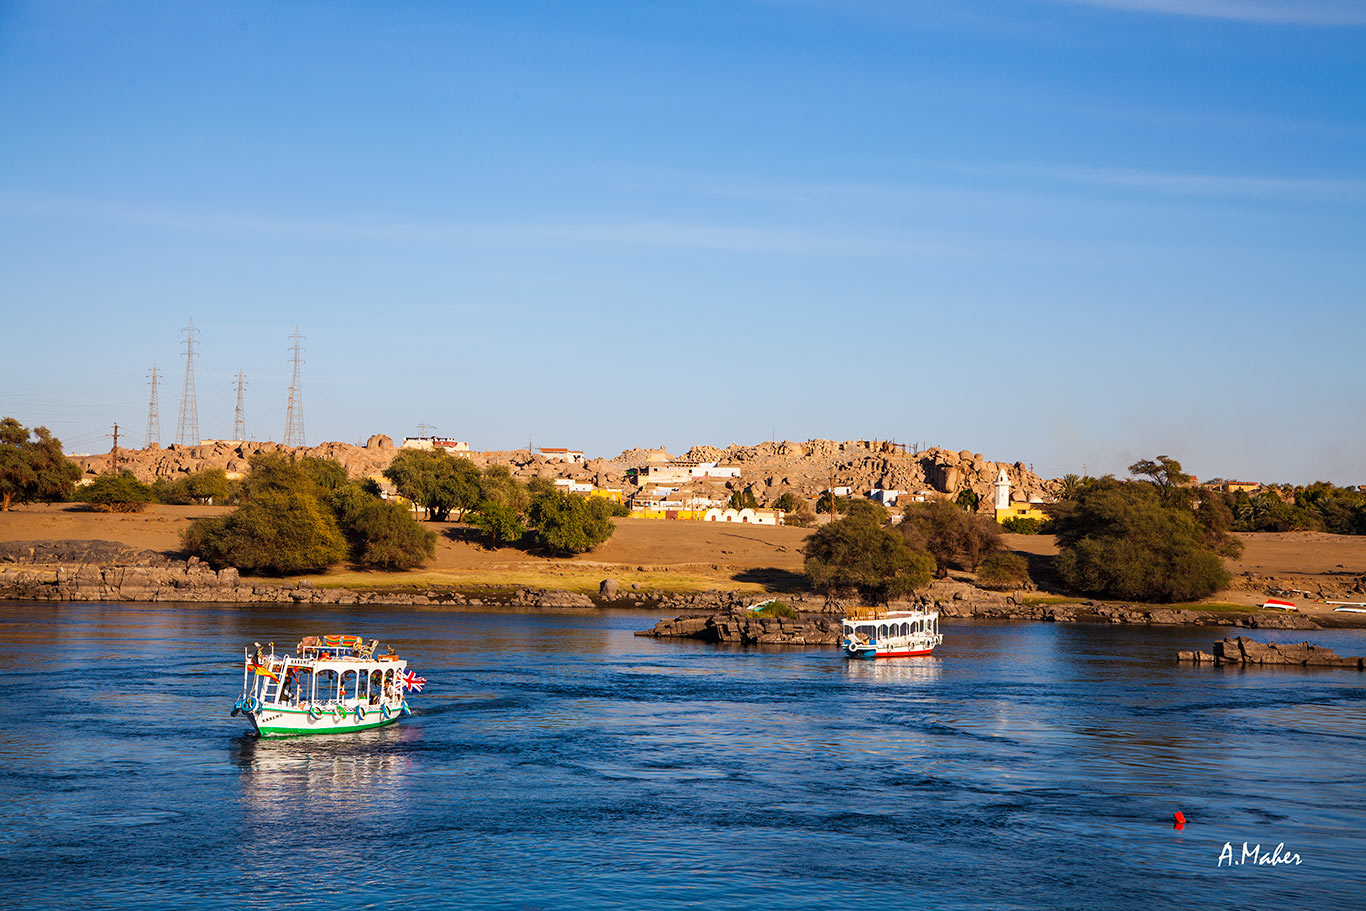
1002	491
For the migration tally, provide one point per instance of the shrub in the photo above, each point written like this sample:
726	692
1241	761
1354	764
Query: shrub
32	466
1003	571
775	609
1019	525
275	532
381	534
859	554
385	535
120	492
436	481
789	502
863	508
500	522
567	523
949	534
1131	540
743	499
802	518
209	486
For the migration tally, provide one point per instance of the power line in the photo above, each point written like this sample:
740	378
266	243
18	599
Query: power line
187	427
294	413
153	434
239	423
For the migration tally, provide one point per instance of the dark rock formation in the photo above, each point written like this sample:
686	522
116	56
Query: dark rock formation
1240	650
742	627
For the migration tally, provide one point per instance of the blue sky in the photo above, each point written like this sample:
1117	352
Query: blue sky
1070	233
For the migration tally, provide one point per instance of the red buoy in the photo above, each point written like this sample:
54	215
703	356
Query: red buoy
1180	820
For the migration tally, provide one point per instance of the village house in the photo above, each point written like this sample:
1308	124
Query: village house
557	454
440	444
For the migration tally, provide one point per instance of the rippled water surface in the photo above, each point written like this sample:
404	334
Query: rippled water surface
556	761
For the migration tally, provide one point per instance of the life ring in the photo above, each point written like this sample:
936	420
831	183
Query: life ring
385	712
404	708
250	704
315	712
339	711
360	713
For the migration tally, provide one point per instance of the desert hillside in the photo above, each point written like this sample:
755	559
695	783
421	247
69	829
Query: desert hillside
767	469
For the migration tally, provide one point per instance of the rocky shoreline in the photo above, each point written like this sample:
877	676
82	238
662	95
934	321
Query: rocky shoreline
85	570
1241	650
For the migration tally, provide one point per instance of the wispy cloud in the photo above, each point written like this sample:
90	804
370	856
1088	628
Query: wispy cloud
732	237
1267	12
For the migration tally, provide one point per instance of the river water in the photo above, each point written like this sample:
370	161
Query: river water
556	761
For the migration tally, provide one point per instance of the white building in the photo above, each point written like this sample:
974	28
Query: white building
556	454
443	444
569	485
887	498
745	516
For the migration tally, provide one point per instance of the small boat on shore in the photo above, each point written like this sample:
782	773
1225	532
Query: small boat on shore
330	685
876	632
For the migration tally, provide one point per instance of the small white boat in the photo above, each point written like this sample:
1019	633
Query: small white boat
881	633
1279	604
330	685
1349	610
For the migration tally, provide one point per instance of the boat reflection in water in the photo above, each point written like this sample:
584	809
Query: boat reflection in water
367	772
895	670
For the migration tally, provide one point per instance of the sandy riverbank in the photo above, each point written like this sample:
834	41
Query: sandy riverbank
677	556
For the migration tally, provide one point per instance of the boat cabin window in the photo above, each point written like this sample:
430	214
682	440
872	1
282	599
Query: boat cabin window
325	686
349	684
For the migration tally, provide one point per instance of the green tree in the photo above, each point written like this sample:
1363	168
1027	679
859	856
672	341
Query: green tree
567	523
1069	485
32	466
209	486
1019	525
1164	472
1003	571
121	492
502	523
436	481
864	508
968	499
276	532
381	534
743	499
949	534
827	502
789	502
858	554
1125	540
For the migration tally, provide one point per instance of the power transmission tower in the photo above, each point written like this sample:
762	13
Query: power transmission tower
114	453
187	427
239	423
425	430
294	414
153	435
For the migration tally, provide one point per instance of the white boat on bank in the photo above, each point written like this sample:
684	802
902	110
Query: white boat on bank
876	632
330	685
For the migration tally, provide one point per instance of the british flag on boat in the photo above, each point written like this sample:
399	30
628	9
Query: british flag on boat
330	685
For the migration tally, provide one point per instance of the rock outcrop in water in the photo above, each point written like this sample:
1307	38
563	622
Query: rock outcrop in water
1241	650
742	627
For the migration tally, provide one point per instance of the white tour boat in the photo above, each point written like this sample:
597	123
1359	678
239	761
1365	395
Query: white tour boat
875	632
330	685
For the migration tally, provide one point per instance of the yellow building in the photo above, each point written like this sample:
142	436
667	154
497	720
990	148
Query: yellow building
1022	511
1006	510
